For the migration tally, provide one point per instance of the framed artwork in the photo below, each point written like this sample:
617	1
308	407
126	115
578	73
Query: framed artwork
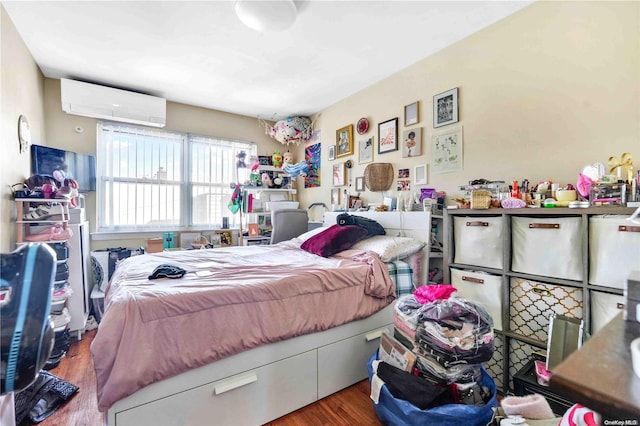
264	160
420	175
313	158
253	230
339	174
446	151
354	202
225	238
335	196
366	151
445	108
411	112
360	183
388	136
332	152
412	143
344	141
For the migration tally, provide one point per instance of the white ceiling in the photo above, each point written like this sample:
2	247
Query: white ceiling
198	52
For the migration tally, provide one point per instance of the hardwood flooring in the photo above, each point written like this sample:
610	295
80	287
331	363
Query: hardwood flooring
350	406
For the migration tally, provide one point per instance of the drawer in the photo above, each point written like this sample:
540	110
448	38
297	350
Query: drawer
525	382
604	307
478	241
614	250
482	288
495	366
531	303
547	246
356	350
275	389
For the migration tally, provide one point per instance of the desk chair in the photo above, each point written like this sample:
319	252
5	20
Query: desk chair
288	223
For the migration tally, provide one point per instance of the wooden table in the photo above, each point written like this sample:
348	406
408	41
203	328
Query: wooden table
600	374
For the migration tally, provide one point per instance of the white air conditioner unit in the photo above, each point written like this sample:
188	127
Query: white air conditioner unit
92	100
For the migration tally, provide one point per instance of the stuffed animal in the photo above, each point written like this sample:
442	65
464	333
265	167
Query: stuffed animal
287	158
240	163
294	170
266	180
254	177
276	159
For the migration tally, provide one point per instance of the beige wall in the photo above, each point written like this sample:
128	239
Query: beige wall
542	93
21	84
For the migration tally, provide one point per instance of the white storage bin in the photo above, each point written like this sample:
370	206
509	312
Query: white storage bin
482	288
604	307
478	241
614	250
547	246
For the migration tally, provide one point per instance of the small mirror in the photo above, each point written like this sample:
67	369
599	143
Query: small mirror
565	336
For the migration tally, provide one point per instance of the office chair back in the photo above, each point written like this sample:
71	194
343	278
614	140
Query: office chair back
288	223
26	335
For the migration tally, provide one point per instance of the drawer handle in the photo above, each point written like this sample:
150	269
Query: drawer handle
544	226
373	335
620	305
473	280
478	223
541	291
234	383
625	228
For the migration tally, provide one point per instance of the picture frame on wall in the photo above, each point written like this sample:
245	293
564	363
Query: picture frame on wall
365	151
335	196
420	175
388	136
445	108
411	114
360	184
332	152
339	174
412	142
344	141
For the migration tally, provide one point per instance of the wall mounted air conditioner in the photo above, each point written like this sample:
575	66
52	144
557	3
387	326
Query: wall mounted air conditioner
92	100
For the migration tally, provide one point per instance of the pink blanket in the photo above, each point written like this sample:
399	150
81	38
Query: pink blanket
231	299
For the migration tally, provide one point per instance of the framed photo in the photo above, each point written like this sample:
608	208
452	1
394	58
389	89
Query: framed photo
445	108
332	152
388	136
420	175
366	151
225	238
253	230
360	183
264	160
411	114
412	143
446	151
354	202
339	174
344	141
335	196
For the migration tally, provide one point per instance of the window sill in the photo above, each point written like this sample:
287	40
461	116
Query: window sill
136	235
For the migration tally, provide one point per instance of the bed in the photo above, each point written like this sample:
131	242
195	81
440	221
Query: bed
162	358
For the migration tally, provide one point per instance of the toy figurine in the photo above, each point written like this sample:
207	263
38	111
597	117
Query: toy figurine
288	158
276	159
266	180
240	164
254	177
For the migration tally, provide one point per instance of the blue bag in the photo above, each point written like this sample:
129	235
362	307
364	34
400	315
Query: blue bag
398	412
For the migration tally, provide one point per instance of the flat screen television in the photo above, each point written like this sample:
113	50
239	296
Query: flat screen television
81	167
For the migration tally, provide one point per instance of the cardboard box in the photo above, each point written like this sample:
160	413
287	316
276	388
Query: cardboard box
395	353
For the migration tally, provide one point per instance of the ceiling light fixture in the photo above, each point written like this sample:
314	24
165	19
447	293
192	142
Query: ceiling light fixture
266	16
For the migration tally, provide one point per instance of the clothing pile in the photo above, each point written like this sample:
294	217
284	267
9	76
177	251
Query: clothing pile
448	339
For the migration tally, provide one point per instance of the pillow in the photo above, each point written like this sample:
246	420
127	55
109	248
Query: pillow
390	248
304	237
372	227
334	239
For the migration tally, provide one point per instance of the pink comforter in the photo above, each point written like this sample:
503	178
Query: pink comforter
231	299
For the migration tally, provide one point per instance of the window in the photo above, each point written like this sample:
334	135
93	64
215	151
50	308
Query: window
155	179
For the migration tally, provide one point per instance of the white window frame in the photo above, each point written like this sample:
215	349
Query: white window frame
186	186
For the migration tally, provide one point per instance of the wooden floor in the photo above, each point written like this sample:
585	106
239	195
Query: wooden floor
351	406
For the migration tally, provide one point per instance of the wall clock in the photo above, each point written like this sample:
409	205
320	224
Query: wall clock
362	126
24	133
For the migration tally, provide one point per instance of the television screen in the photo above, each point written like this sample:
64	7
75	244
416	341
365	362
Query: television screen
81	167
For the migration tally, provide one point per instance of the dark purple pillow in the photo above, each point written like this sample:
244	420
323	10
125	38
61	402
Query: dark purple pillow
335	239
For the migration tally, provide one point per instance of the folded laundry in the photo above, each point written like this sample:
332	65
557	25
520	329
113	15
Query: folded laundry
51	233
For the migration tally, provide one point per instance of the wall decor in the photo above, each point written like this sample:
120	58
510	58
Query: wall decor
24	133
412	143
226	239
332	152
313	158
446	151
365	152
420	175
264	160
339	174
335	196
388	136
360	183
362	126
411	114
445	108
344	141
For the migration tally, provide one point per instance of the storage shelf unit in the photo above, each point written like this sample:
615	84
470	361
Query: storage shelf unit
525	298
435	257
